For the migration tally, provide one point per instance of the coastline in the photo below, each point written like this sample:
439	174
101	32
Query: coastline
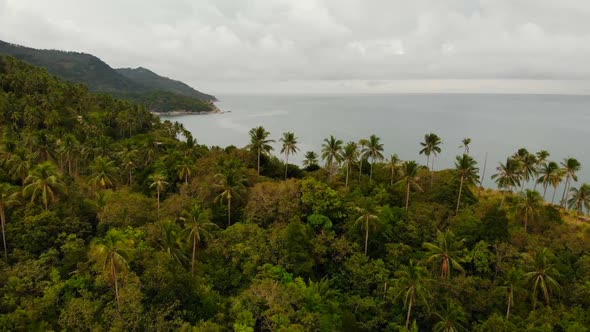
215	110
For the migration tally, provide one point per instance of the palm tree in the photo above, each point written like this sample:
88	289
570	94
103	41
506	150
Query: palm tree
511	281
547	175
541	276
231	182
362	144
431	146
412	282
311	159
580	198
158	182
331	153
450	318
541	163
447	251
508	176
44	181
529	205
528	169
9	197
350	156
373	150
289	147
185	170
168	239
128	158
410	178
198	223
113	253
467	170
260	143
103	172
368	217
571	167
394	166
466	141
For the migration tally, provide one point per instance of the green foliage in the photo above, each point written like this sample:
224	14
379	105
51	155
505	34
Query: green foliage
113	223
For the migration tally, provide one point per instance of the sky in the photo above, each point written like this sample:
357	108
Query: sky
329	46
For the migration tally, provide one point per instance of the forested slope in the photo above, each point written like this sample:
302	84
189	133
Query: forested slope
112	223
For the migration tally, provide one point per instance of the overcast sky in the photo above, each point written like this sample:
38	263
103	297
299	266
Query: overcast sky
300	46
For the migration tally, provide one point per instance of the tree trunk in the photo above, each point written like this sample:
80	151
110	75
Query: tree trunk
114	270
407	195
130	177
286	164
567	180
258	160
366	234
509	303
347	170
432	173
392	171
483	174
526	219
194	254
158	204
360	169
409	314
371	174
554	191
459	197
544	191
3	221
229	210
503	198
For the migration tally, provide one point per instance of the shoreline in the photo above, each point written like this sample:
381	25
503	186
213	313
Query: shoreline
215	110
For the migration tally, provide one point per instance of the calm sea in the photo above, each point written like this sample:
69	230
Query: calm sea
497	124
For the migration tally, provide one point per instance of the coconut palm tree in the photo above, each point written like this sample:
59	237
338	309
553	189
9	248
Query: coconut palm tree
431	146
373	150
410	178
311	159
20	164
547	175
289	147
528	169
393	165
508	176
103	173
158	182
44	182
198	223
466	168
9	197
541	276
367	219
185	170
580	198
466	141
511	281
529	206
231	182
112	253
168	239
260	143
350	155
571	167
450	318
541	163
446	251
412	283
68	150
331	153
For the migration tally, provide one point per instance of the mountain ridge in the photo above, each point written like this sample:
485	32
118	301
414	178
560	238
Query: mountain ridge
141	85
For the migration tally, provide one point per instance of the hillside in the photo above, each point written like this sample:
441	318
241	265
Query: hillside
154	81
159	94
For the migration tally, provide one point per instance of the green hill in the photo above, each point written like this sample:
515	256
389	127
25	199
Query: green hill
157	93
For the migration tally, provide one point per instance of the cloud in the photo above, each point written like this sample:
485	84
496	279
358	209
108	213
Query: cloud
230	43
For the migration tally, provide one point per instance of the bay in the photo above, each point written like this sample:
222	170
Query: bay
498	124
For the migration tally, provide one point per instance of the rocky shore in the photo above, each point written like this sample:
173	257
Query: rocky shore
215	110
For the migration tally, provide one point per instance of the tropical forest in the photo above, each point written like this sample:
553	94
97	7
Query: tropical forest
115	220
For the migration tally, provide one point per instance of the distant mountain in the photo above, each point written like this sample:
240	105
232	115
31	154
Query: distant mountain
141	85
154	81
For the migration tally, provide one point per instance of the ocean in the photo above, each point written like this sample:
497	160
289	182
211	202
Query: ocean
498	124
